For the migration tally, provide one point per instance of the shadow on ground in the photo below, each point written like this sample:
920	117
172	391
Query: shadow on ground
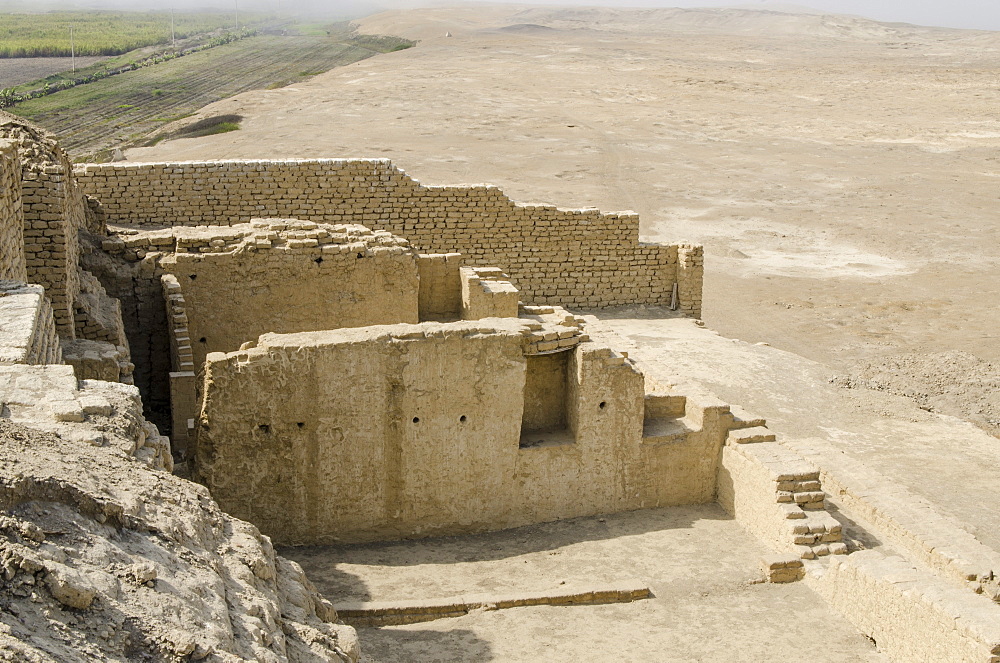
323	563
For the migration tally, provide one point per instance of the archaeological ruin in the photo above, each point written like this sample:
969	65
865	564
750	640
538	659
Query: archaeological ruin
200	361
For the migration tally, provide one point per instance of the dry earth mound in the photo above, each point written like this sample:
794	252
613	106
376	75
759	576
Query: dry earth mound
956	383
106	559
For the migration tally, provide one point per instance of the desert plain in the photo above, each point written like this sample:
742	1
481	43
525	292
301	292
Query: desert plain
842	174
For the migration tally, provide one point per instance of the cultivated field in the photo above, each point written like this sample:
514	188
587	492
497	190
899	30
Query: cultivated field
94	118
103	32
18	71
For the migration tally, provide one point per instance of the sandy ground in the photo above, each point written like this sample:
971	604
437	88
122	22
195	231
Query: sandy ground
841	174
700	565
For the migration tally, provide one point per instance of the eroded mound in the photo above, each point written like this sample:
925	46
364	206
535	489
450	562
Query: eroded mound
103	558
954	383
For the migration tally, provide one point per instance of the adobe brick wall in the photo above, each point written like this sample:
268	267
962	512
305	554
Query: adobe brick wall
11	218
582	258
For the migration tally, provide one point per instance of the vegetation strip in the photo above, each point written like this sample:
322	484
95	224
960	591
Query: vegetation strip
9	97
124	110
82	33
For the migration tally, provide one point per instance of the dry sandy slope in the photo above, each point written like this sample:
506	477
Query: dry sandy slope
842	174
105	559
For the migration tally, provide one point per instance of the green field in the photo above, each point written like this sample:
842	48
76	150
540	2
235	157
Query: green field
90	120
104	32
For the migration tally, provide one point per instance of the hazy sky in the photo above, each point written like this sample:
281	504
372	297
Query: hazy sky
978	14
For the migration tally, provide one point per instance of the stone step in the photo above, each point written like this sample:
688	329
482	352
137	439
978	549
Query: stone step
750	435
667	430
665	406
744	419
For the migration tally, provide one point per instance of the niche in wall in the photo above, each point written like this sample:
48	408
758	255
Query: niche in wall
544	420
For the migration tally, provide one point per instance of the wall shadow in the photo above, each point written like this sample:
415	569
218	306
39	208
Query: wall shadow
389	645
323	563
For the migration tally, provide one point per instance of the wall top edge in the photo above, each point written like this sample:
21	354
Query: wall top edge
11	288
116	165
488	327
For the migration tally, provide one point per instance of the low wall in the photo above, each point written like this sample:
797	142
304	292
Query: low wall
911	615
776	495
579	258
27	330
11	215
403	431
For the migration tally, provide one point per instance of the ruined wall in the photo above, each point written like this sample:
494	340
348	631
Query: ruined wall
134	282
54	209
287	276
223	287
11	216
416	430
567	257
487	293
776	495
912	615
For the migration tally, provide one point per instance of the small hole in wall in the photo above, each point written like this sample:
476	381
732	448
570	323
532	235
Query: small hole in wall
264	428
192	276
301	424
360	256
203	340
416	420
319	260
462	418
603	404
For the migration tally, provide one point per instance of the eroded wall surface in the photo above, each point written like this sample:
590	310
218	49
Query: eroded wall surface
416	430
554	256
54	210
11	216
286	276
